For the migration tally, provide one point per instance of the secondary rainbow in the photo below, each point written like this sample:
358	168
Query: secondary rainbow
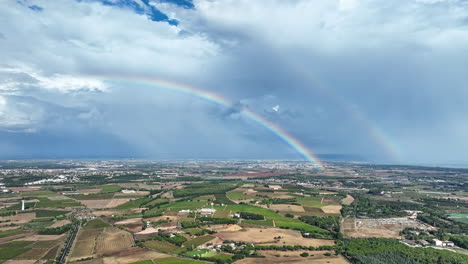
218	99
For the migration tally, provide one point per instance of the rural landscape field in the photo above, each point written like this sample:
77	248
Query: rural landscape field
230	212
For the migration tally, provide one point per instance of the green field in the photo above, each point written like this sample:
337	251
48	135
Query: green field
194	231
311	201
193	243
49	213
110	189
281	221
161	246
9	253
174	260
11	232
156	202
96	223
19	244
222	199
134	203
237	195
204	253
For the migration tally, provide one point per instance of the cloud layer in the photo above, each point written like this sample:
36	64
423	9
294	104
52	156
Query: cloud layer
378	79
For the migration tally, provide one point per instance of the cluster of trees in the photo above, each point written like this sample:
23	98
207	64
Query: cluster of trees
365	207
382	250
460	240
55	230
251	216
444	224
240	251
415	234
176	239
330	223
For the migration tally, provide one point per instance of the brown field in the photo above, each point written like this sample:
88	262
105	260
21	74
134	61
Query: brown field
95	204
113	239
58	198
116	202
22	218
266	237
133	255
282	196
84	246
136	194
52	253
348	200
225	228
60	223
134	228
44	237
331	209
20	261
317	259
129	221
383	227
330	201
287	208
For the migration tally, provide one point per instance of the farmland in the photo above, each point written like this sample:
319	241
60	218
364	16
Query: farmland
293	218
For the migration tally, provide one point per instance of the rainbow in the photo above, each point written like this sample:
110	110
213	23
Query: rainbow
218	99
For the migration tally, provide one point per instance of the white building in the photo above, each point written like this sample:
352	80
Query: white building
440	243
207	211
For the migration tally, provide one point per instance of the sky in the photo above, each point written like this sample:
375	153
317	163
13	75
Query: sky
375	80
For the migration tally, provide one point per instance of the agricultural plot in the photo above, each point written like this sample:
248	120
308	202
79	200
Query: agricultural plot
290	208
47	203
174	260
193	243
279	221
96	223
382	227
161	246
85	243
12	232
50	213
113	239
266	236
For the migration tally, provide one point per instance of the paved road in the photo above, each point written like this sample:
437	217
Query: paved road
68	244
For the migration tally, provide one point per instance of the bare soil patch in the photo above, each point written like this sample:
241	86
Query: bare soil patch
116	202
20	261
316	259
43	237
129	221
95	204
225	228
267	237
348	200
382	227
60	223
113	239
135	255
331	209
